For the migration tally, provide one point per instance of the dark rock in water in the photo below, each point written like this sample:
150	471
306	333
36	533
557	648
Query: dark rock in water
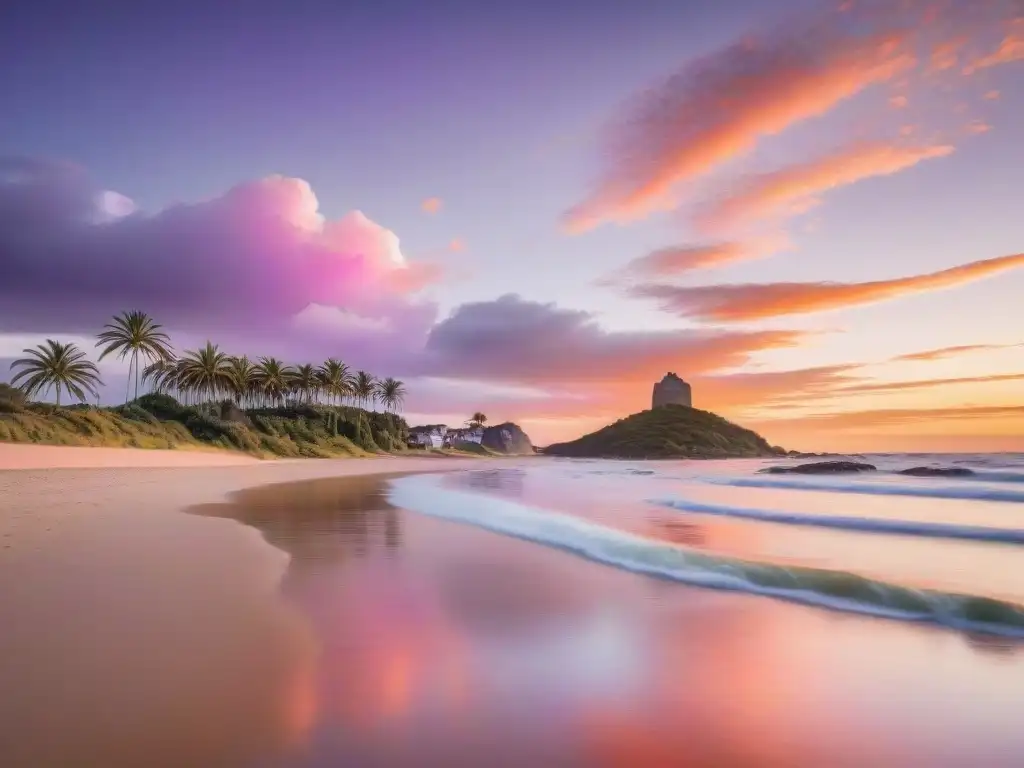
821	468
507	438
937	472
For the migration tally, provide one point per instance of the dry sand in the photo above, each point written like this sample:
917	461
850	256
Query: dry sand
122	617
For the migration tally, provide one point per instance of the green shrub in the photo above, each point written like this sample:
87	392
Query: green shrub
163	406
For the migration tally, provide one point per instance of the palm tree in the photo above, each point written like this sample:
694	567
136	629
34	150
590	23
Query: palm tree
305	383
205	372
274	379
391	393
364	388
163	373
335	379
242	379
478	420
61	366
132	334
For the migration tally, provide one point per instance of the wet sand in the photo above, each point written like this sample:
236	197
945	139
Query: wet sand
133	634
369	636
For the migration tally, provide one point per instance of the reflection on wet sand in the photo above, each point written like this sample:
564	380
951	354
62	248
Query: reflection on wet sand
401	640
142	639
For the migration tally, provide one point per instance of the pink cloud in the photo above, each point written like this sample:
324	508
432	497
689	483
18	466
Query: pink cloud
432	205
251	258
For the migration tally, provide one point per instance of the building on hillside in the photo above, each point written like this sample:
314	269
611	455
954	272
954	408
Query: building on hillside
430	436
671	390
468	435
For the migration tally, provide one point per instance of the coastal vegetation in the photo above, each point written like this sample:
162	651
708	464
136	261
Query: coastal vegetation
200	398
668	432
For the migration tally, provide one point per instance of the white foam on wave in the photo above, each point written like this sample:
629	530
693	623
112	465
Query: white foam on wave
849	523
920	488
836	590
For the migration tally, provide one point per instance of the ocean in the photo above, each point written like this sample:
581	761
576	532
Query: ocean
942	550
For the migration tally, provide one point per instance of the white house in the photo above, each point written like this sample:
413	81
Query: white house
428	437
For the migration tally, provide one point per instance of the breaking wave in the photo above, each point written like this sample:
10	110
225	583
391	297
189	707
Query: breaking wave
970	489
846	523
837	590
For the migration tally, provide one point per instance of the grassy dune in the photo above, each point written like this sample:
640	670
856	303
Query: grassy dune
159	421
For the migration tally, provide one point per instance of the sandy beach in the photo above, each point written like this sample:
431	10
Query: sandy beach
128	626
286	613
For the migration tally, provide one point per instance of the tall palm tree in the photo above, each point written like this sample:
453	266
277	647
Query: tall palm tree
391	393
364	388
61	366
477	420
305	383
242	379
205	372
132	334
274	379
335	379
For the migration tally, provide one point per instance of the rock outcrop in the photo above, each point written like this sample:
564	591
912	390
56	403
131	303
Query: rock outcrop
821	468
937	472
507	438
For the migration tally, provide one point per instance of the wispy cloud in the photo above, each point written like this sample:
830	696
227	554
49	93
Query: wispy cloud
432	205
756	301
899	386
666	262
719	107
889	417
1010	49
794	189
943	352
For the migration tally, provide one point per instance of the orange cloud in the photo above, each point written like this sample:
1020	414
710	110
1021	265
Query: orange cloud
1010	49
889	417
942	352
793	189
968	428
719	107
432	205
898	102
899	386
457	245
671	261
992	95
977	127
946	55
756	301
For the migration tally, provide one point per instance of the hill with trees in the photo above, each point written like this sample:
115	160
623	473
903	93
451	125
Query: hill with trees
668	432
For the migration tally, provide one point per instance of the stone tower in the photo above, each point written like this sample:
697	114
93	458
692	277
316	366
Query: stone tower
671	390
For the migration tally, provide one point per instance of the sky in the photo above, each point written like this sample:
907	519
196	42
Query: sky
806	209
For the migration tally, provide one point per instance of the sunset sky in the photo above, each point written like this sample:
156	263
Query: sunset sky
809	210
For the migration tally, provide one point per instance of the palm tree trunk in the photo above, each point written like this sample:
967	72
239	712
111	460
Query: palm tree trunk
135	355
58	394
128	384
